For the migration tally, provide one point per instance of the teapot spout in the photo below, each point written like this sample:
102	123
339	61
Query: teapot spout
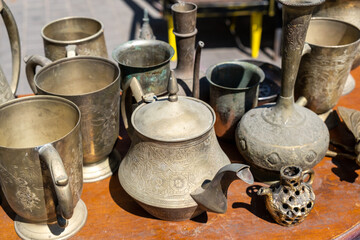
212	195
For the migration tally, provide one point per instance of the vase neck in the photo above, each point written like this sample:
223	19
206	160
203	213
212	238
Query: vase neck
295	24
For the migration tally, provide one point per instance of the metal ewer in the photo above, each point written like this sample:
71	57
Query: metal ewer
285	133
7	92
184	16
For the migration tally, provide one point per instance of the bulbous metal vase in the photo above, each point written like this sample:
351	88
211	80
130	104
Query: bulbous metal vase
273	136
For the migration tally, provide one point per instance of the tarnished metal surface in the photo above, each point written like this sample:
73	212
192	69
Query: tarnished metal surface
284	134
324	70
41	157
93	84
87	34
7	92
148	61
171	155
290	201
234	88
351	119
184	16
146	31
344	10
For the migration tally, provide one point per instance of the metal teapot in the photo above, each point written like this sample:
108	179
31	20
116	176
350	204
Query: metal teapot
174	152
7	92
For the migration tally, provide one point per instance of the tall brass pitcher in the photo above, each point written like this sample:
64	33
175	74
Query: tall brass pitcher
7	91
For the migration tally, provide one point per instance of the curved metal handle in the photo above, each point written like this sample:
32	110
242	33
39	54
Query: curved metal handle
306	49
31	63
60	179
70	50
136	89
311	174
14	39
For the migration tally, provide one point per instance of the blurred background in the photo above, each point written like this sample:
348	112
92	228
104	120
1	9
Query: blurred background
226	27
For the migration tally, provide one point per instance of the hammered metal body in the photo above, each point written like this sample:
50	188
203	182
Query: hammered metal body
26	125
87	34
290	201
93	84
324	70
283	134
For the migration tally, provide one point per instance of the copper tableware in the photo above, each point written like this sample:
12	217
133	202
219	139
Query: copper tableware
93	83
7	92
173	156
283	134
70	36
41	166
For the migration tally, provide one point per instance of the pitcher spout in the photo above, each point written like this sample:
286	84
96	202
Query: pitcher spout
212	195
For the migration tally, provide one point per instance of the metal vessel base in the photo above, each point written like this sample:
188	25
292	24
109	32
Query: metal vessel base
52	231
102	169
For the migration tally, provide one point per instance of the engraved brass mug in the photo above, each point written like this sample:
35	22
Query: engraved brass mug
41	164
326	63
70	36
93	84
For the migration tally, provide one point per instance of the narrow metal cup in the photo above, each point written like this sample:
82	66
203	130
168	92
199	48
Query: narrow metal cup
325	67
41	163
93	84
234	90
84	35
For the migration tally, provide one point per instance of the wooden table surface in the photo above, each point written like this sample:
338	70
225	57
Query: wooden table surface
112	214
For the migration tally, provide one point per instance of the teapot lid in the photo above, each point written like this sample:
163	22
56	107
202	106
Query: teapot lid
172	121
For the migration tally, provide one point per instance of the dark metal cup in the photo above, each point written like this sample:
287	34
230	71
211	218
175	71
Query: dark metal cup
234	90
84	35
41	165
93	84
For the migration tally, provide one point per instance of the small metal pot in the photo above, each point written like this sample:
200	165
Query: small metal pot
85	35
234	90
148	61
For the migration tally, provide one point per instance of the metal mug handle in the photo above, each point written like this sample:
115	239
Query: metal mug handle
311	174
71	50
137	92
31	63
14	39
60	179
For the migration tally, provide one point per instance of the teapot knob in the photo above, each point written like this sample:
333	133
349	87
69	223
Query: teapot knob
173	87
